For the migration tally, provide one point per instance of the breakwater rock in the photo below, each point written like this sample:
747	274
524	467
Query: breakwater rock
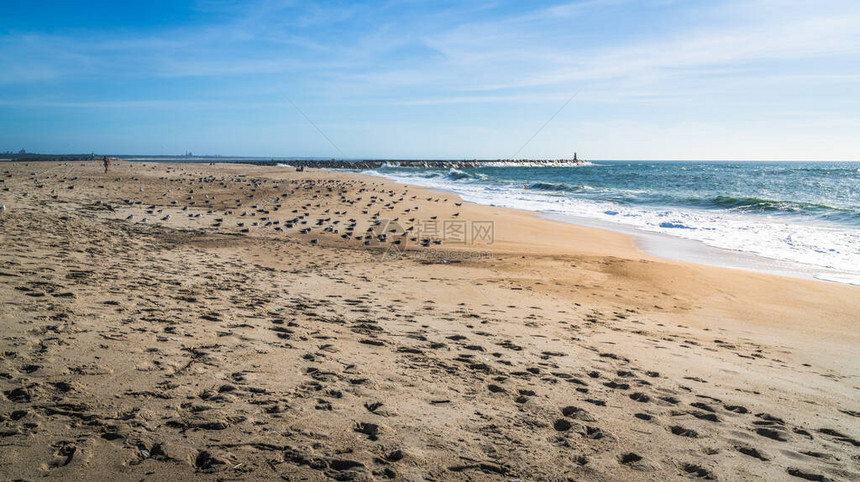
426	163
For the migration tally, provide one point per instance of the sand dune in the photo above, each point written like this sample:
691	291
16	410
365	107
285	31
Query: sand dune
178	321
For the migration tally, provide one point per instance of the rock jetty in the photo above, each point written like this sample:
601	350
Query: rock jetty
426	163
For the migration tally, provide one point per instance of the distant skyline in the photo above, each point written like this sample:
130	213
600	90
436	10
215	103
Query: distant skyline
661	79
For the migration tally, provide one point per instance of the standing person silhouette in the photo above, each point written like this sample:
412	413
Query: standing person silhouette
106	162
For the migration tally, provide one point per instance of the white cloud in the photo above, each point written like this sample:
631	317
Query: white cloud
709	64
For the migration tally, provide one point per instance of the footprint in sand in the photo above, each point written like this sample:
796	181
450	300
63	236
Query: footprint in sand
752	452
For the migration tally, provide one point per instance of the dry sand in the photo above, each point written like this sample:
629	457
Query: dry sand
193	347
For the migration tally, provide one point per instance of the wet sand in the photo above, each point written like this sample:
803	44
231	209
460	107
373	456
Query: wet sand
217	340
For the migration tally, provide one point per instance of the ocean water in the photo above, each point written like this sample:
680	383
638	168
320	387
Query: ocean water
807	213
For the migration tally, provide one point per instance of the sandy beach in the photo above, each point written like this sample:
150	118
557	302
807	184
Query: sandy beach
193	321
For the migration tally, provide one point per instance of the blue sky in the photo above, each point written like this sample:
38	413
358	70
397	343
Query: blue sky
662	79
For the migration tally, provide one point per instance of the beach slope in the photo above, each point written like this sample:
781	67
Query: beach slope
184	321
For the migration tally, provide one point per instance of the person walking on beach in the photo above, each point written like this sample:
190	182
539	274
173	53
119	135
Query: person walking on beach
106	162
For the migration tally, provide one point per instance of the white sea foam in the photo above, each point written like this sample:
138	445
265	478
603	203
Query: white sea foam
834	249
845	278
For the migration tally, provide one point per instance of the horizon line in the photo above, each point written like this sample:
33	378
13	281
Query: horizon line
17	156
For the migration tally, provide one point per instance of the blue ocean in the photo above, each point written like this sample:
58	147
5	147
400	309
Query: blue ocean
806	213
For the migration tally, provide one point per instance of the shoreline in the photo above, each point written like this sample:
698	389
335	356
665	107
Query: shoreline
679	248
212	340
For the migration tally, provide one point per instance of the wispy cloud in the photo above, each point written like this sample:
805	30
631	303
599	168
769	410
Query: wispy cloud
501	62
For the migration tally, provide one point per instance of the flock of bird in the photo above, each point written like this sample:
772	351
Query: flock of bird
307	217
200	196
265	200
